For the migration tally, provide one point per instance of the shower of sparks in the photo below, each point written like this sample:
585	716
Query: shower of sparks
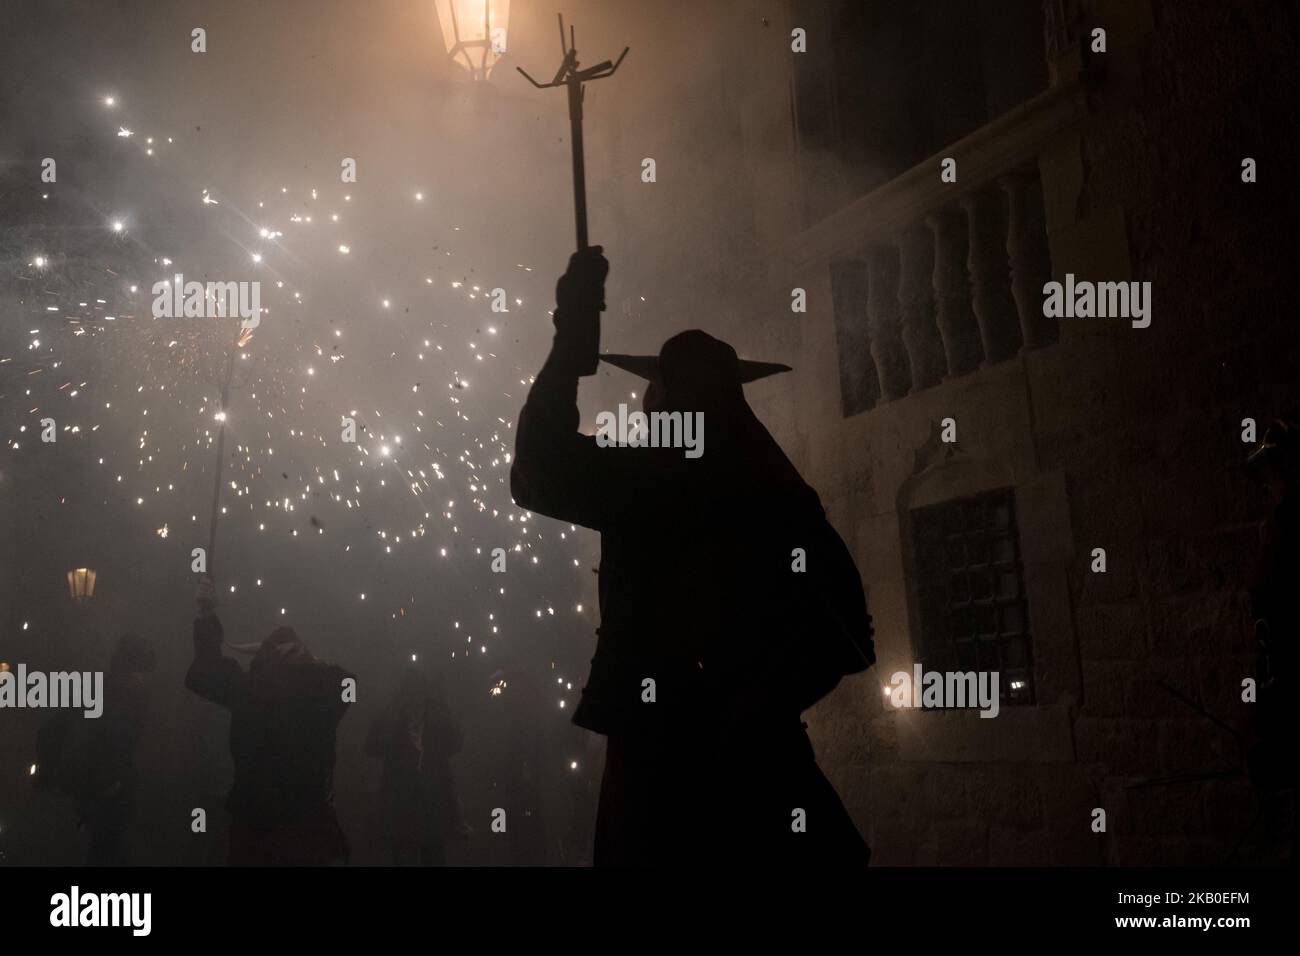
411	512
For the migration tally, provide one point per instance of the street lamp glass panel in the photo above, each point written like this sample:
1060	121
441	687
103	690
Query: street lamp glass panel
474	33
81	584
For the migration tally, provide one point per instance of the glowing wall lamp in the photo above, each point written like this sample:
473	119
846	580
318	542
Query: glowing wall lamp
474	33
81	584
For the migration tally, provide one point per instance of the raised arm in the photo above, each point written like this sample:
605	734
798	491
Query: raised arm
557	471
212	675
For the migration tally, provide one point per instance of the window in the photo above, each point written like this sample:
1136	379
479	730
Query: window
970	591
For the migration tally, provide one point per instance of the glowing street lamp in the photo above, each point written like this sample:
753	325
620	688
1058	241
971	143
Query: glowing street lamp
81	584
474	33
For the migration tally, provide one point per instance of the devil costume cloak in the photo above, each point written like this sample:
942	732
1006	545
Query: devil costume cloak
419	808
284	715
711	643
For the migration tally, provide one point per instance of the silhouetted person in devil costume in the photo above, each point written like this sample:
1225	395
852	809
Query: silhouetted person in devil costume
94	760
416	736
284	713
728	606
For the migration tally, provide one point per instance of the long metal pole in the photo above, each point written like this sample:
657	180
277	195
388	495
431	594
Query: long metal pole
579	163
573	78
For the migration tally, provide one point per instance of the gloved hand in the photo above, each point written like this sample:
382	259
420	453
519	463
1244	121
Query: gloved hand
205	599
582	287
579	300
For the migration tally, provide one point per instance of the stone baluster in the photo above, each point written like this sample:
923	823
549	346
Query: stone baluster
990	276
859	387
884	323
916	301
954	317
1030	261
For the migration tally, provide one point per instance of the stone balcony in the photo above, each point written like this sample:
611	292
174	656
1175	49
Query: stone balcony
933	280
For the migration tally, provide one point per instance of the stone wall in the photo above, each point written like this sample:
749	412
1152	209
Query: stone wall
1122	438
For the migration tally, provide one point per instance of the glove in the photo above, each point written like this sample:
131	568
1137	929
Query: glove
579	300
582	287
205	599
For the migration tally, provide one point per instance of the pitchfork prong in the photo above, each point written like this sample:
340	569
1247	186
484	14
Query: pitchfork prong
540	86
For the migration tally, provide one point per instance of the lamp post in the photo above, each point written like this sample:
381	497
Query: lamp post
474	33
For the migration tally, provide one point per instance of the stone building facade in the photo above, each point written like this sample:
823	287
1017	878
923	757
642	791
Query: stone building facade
925	309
